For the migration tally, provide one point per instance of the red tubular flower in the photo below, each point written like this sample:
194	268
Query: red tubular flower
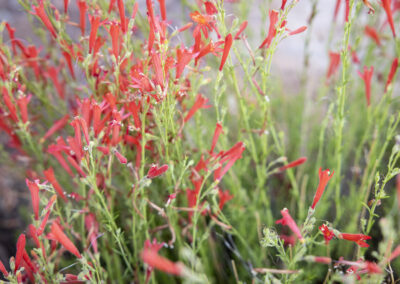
328	234
94	23
82	12
333	64
11	32
386	5
66	6
204	23
210	8
298	31
10	105
318	259
34	189
3	269
49	174
157	65
357	238
273	19
151	257
395	253
293	164
59	124
33	235
48	209
372	33
93	228
324	177
22	103
64	240
120	158
288	221
121	10
392	73
347	12
41	13
224	197
200	102
217	132
367	76
230	156
185	27
114	33
183	57
20	251
163	11
156	171
337	6
227	48
241	29
283	4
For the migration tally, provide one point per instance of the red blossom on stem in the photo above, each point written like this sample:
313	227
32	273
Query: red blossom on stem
227	48
34	189
217	132
318	259
94	23
298	30
293	164
200	102
287	220
328	234
41	13
372	33
156	171
82	12
334	61
49	174
392	73
273	19
48	208
120	157
347	10
357	238
283	4
64	240
224	196
163	11
210	8
387	6
151	257
337	6
121	10
367	76
324	177
241	29
92	226
3	269
230	157
59	124
20	251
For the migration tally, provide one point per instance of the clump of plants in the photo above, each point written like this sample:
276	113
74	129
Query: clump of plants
162	149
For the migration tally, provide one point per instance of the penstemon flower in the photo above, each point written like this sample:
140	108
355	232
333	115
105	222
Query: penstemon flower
287	220
328	234
20	251
153	259
357	238
324	177
367	76
58	235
